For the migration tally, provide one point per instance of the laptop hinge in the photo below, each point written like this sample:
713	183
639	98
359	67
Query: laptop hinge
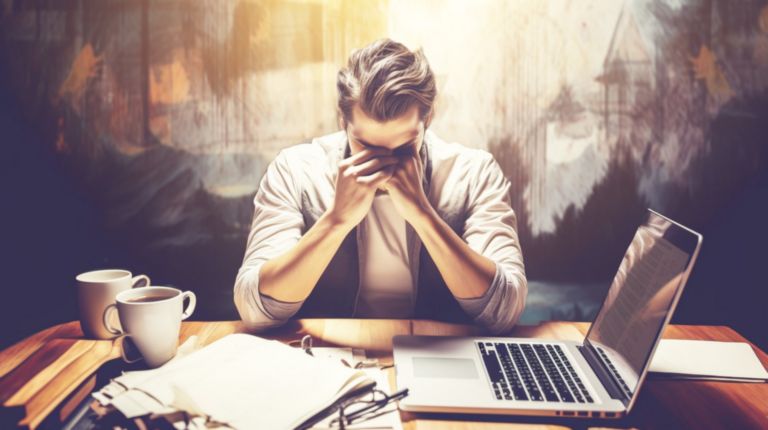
605	376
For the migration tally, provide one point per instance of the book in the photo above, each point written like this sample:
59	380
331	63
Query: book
244	381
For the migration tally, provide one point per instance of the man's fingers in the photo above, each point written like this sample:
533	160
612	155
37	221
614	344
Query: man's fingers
373	165
364	155
377	178
382	180
409	166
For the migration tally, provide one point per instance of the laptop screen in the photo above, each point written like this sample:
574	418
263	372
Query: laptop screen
641	298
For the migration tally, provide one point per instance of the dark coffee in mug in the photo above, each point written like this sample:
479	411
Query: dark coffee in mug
147	299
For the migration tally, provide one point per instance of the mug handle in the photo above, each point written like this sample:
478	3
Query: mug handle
123	351
106	318
136	280
190	306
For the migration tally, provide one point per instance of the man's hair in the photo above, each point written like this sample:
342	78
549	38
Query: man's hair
385	79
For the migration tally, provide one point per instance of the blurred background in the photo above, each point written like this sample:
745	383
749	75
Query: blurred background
134	133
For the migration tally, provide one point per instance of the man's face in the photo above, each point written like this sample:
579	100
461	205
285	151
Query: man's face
402	135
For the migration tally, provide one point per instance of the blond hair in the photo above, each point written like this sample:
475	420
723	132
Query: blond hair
385	79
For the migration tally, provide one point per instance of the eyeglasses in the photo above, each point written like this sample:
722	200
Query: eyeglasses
375	404
359	409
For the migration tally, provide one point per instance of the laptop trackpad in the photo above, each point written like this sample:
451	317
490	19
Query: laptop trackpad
438	367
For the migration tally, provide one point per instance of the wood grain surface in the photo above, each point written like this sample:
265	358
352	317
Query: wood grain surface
53	369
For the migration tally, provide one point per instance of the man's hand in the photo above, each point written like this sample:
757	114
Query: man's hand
356	183
405	187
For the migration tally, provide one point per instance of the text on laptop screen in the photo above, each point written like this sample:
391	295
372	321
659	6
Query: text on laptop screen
640	297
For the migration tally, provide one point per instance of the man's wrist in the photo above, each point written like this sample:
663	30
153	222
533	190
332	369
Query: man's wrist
426	219
334	223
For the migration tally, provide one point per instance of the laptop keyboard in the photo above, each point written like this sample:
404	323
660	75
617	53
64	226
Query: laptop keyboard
534	372
615	372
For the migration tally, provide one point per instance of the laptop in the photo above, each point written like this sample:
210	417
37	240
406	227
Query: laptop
598	377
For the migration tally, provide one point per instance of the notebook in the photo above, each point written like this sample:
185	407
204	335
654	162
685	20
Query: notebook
245	381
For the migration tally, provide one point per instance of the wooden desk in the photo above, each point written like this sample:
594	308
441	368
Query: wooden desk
52	371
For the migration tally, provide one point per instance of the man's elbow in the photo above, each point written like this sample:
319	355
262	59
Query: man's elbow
247	303
503	316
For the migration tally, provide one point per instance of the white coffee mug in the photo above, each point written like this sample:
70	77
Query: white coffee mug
95	291
151	317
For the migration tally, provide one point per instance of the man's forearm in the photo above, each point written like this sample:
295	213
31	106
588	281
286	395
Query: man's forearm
466	273
292	276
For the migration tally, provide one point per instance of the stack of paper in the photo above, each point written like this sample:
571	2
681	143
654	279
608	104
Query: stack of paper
241	381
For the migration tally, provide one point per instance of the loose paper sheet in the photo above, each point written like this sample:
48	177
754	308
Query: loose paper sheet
697	359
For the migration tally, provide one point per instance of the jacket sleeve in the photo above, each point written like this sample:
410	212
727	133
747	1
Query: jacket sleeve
491	230
277	226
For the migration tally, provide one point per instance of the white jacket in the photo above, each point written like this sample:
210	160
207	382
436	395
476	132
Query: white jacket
465	186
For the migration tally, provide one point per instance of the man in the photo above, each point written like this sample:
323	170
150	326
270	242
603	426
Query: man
383	219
